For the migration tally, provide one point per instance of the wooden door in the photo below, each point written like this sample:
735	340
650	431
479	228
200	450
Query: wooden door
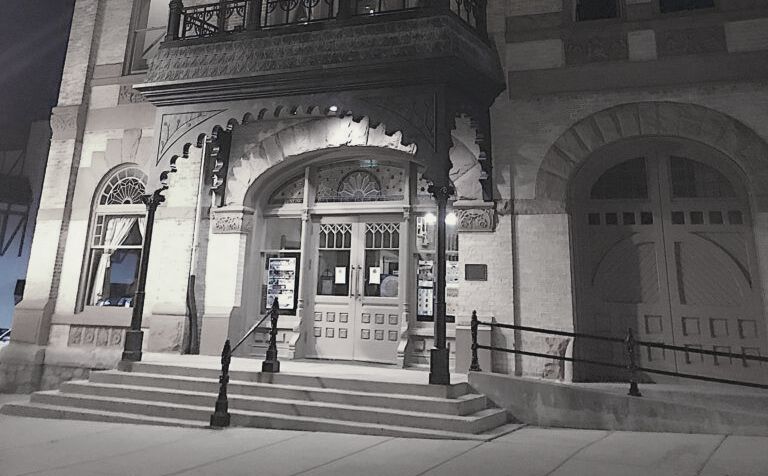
664	245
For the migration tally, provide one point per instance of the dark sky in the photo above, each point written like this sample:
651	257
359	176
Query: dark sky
33	41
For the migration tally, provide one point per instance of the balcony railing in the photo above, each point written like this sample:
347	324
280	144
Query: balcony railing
231	16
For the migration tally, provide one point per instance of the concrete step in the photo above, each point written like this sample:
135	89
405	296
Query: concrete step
357	385
463	405
478	422
40	410
55	404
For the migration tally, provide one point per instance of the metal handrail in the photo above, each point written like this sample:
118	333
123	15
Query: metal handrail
221	417
196	21
656	345
251	330
630	354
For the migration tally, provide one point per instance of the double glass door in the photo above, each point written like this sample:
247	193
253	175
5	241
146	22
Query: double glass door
358	290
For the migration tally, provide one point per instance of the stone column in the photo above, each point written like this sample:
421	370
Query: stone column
295	345
21	362
407	274
230	227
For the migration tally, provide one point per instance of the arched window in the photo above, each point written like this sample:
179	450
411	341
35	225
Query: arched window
117	235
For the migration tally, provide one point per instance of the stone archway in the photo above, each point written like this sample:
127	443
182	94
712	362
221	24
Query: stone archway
670	119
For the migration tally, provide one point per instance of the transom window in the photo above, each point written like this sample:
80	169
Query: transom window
596	9
117	237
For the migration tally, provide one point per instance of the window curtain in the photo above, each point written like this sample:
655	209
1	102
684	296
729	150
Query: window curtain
118	229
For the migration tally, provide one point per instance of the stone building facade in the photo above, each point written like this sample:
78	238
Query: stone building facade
605	165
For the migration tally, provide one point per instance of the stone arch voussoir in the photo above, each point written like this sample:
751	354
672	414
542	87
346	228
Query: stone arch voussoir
301	138
670	119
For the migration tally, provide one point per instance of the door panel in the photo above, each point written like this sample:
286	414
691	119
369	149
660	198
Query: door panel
357	308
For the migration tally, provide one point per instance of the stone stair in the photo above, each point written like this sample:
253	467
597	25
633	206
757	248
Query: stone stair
184	396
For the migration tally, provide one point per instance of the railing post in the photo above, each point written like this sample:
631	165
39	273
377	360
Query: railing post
175	8
220	417
481	17
271	364
475	365
253	12
631	345
345	9
221	20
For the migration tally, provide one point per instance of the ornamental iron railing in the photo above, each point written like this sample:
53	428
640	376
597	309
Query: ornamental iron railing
221	417
231	16
630	364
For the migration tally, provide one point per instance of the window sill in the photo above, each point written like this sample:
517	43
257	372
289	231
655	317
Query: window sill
97	316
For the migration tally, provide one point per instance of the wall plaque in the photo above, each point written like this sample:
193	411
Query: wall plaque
476	272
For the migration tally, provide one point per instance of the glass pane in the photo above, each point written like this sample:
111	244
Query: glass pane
115	285
596	9
285	234
333	273
382	272
691	179
627	180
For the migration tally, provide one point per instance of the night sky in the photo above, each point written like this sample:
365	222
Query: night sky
33	41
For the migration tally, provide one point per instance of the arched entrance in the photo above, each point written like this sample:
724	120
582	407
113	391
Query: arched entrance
345	240
664	244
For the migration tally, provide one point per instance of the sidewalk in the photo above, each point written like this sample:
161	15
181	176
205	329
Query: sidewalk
77	448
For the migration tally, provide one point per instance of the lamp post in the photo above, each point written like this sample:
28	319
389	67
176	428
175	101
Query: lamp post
438	359
134	336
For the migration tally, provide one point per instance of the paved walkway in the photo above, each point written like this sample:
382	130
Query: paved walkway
76	448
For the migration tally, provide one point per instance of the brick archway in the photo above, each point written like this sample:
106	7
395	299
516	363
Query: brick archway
715	129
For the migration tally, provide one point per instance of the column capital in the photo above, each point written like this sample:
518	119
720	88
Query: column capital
232	220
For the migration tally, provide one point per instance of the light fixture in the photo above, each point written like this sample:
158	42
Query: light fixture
430	218
333	108
450	219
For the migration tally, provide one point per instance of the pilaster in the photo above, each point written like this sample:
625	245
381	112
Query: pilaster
230	227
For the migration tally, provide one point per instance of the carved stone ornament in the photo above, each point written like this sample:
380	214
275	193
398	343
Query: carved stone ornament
65	121
232	222
476	219
128	95
174	126
95	336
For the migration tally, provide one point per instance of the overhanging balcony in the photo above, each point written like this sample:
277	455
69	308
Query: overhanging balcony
239	49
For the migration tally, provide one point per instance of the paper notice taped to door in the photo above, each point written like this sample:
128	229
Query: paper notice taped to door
341	275
374	275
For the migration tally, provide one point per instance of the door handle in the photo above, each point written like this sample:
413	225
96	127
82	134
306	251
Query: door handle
357	280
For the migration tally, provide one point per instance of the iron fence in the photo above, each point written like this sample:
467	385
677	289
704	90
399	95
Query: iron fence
231	16
630	364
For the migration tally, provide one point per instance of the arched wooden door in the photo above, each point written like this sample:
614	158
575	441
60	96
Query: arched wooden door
664	245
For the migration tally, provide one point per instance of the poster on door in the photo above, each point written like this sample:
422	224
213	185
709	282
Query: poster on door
282	282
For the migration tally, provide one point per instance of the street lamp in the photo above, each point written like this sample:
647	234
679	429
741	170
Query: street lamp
438	359
134	336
